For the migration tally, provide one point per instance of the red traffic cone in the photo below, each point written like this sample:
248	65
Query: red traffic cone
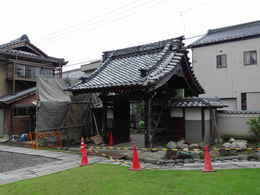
110	139
136	166
207	161
84	153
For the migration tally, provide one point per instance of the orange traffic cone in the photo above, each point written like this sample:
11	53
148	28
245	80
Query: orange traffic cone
84	154
136	166
207	161
110	139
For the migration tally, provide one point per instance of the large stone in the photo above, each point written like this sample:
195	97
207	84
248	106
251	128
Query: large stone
171	145
194	145
239	144
257	155
227	145
182	144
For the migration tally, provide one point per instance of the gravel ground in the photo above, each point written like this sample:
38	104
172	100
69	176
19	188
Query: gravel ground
11	161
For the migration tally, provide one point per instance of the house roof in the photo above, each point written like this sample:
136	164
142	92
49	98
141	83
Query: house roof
196	102
229	33
23	48
15	97
141	66
91	66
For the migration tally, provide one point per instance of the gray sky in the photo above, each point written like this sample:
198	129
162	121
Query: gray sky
80	30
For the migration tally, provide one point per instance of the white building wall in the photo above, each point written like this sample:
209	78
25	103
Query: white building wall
228	82
253	101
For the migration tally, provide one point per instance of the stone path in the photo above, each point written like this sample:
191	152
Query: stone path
199	166
64	161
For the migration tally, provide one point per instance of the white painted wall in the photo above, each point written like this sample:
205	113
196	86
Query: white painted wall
228	82
234	124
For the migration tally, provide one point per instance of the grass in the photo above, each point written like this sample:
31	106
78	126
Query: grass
114	180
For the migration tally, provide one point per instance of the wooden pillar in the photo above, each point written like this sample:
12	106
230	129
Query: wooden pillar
203	124
184	120
148	122
104	118
211	134
13	77
12	119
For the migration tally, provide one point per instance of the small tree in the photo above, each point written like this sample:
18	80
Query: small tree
254	124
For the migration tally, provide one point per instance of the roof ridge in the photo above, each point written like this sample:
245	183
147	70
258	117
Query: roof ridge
216	30
24	38
143	47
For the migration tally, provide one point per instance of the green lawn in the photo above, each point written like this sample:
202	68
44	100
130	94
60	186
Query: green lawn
115	180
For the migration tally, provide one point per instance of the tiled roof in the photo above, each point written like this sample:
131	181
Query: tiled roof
230	33
11	98
139	66
13	50
239	111
197	102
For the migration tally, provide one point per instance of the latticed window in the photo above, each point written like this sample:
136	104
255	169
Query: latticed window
222	61
250	57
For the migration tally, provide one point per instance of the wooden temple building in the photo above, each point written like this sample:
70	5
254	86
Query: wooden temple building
153	73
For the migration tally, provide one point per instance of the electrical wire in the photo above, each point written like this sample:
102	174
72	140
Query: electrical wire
92	24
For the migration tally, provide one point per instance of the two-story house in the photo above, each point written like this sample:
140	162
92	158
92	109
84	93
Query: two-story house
84	70
227	63
21	63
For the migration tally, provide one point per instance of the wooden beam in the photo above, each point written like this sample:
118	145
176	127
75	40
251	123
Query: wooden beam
148	122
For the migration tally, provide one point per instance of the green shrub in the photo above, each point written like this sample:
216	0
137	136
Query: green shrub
141	124
254	124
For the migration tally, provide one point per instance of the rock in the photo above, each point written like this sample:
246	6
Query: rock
227	145
188	161
196	155
258	155
242	157
181	144
239	144
254	157
186	149
171	154
171	145
231	140
194	146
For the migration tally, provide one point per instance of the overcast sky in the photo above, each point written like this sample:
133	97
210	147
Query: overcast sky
80	30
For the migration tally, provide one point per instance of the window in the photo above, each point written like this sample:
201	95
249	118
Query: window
23	111
250	57
243	101
20	70
222	61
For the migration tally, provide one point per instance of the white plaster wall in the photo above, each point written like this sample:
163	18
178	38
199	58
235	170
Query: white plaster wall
194	114
234	124
231	81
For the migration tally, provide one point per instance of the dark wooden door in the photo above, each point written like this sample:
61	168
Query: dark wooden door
178	126
121	124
